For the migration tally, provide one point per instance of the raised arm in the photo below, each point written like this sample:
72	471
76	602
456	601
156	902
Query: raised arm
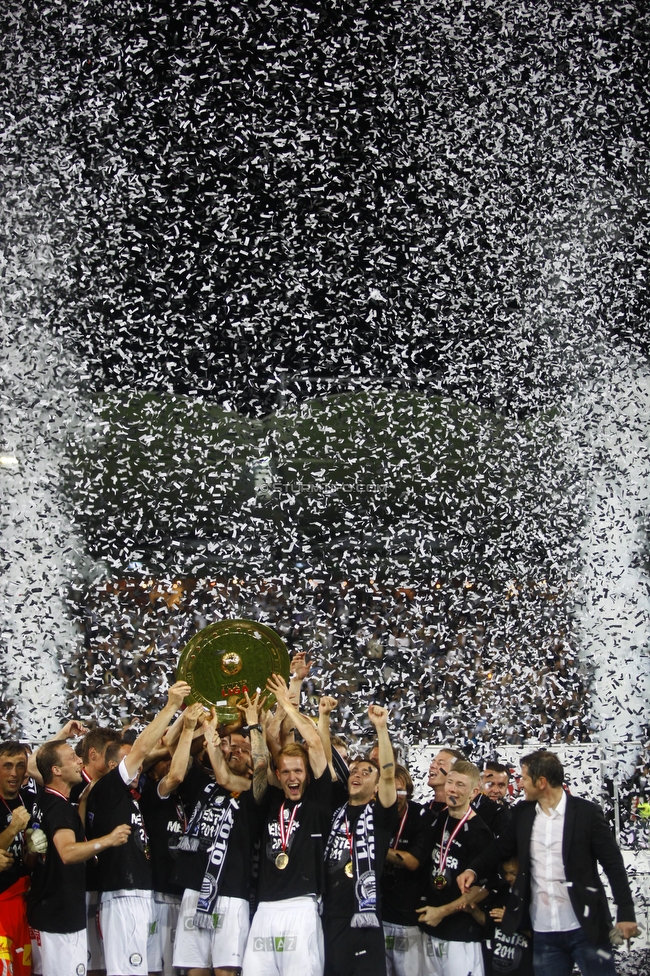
149	737
192	716
305	726
222	771
256	719
69	730
325	706
387	793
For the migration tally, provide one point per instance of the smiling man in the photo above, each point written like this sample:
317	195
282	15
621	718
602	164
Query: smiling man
559	840
286	936
15	809
124	876
56	902
438	769
354	860
452	940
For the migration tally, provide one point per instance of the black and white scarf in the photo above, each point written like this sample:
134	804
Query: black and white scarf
363	865
206	905
190	841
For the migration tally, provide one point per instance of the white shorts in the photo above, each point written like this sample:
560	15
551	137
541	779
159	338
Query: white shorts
64	954
160	944
404	949
286	939
220	947
37	961
451	958
125	920
93	935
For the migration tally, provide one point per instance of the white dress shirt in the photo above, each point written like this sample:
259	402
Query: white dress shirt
550	907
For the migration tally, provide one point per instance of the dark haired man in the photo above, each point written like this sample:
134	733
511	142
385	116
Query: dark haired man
488	802
286	937
15	810
126	903
404	881
213	860
92	750
356	851
56	901
559	840
495	780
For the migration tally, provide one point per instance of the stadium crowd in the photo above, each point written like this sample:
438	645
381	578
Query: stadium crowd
270	850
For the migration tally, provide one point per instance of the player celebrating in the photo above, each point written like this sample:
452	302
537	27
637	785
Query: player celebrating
286	934
356	850
56	903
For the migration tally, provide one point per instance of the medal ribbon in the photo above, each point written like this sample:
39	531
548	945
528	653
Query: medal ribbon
349	837
401	828
285	834
444	854
49	789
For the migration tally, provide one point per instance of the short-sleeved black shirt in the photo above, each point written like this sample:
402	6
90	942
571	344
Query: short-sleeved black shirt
18	870
112	802
402	891
304	873
165	819
190	866
56	900
471	840
339	899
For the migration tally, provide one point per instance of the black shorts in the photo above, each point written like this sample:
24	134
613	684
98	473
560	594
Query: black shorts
353	952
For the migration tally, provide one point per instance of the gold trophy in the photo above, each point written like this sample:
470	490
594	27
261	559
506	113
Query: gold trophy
229	658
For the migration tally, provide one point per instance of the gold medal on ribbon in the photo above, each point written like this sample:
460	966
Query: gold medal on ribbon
349	869
281	861
439	882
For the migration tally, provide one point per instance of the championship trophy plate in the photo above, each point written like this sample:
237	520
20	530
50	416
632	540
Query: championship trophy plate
229	658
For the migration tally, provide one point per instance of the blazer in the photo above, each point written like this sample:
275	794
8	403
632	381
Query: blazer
587	840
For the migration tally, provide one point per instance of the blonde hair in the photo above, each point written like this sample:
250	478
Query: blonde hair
466	768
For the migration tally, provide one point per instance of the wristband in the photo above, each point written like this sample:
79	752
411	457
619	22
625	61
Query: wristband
249	728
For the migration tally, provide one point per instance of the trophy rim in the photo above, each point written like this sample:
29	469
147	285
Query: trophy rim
227	711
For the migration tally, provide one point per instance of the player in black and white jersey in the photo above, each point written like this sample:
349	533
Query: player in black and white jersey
286	934
92	750
165	818
125	880
15	811
213	863
404	881
56	901
354	860
452	940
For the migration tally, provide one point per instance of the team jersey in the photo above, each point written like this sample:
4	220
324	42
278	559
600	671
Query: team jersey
472	839
56	901
402	891
165	820
18	870
494	815
112	802
504	955
190	866
305	827
339	901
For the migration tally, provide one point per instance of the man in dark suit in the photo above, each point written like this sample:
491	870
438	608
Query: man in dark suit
559	840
